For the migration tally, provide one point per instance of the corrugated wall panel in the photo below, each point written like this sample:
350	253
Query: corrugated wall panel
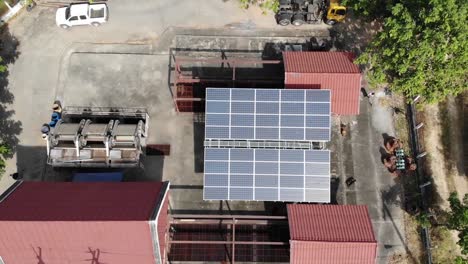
337	223
163	225
345	88
332	253
75	242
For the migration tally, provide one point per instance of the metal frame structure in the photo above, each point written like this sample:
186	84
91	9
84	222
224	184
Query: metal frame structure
232	222
183	86
115	140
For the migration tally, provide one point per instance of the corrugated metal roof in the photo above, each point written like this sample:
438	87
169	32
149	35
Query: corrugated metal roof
319	62
345	88
78	222
331	223
73	242
332	252
326	70
81	201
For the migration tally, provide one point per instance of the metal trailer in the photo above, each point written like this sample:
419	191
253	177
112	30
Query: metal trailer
98	137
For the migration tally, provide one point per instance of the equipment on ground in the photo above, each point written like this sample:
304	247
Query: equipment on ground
81	14
98	137
116	176
298	12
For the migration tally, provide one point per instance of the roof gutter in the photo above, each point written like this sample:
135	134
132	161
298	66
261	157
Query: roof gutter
153	222
9	191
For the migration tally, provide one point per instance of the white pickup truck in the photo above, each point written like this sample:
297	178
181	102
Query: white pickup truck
81	14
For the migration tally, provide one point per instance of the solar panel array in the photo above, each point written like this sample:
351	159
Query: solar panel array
267	175
267	114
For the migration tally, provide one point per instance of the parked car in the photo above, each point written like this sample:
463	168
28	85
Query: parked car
81	14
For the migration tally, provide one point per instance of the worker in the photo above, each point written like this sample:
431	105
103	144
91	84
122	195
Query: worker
57	107
391	144
390	163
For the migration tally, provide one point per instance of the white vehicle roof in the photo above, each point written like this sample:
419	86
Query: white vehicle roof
79	9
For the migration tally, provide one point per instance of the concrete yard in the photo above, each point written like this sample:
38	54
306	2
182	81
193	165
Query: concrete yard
130	66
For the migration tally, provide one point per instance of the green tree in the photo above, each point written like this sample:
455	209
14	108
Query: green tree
457	219
3	68
422	49
4	150
372	9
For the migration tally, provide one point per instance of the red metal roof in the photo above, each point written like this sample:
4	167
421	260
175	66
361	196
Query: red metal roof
331	234
310	252
326	70
337	223
78	222
319	62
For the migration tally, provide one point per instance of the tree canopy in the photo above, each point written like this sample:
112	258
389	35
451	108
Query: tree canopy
422	48
458	220
4	150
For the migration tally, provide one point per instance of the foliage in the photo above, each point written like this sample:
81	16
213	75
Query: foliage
372	9
422	49
423	220
461	260
3	68
458	219
265	5
3	151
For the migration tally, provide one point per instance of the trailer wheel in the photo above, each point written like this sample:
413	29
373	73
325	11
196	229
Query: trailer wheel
331	22
298	20
284	20
96	24
64	26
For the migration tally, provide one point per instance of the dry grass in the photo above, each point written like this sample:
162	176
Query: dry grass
413	239
444	249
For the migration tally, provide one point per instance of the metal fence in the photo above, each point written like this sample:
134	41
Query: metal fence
416	125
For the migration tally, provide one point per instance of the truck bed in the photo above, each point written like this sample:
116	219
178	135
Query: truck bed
97	10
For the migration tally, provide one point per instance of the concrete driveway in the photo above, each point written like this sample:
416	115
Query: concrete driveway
34	74
126	61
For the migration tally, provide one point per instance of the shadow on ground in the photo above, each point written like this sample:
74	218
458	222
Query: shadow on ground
353	35
9	128
32	166
31	162
198	142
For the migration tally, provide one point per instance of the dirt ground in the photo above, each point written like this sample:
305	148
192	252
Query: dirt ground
445	144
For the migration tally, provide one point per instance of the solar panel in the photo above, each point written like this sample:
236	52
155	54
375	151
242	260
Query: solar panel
267	114
267	174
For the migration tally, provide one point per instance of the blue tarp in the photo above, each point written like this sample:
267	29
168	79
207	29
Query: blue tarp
98	177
